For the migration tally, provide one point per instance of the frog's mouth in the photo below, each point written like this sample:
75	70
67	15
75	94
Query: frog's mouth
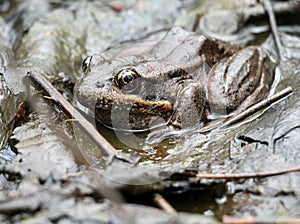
129	113
132	113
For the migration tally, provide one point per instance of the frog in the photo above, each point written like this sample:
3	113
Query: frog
184	80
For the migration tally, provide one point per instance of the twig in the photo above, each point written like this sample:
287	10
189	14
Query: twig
260	105
233	176
163	203
11	123
272	21
18	115
262	220
107	150
279	8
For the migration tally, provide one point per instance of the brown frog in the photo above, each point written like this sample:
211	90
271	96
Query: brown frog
184	80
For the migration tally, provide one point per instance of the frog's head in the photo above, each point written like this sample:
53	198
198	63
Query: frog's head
122	94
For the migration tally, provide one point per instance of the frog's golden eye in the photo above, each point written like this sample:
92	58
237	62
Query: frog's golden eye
124	77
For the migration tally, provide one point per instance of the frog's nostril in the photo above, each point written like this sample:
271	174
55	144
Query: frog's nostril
100	84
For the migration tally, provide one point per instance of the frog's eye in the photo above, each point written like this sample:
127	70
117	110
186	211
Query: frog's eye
92	61
124	77
86	64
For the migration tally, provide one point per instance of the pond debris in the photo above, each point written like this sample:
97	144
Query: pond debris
252	220
270	11
212	23
108	152
18	115
234	176
117	7
163	203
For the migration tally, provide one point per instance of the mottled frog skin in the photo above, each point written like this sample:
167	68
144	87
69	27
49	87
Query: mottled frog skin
185	79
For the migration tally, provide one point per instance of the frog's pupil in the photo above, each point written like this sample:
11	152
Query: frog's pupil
128	78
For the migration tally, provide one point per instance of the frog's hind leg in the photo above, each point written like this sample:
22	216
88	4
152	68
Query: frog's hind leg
266	81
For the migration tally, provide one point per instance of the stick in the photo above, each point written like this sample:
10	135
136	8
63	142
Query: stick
260	105
253	220
107	150
163	203
272	21
279	8
233	176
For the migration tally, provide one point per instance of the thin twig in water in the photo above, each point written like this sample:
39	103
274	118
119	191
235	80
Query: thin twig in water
163	203
233	176
261	220
107	150
260	105
272	21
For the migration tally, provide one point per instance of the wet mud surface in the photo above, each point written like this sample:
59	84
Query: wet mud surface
52	173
